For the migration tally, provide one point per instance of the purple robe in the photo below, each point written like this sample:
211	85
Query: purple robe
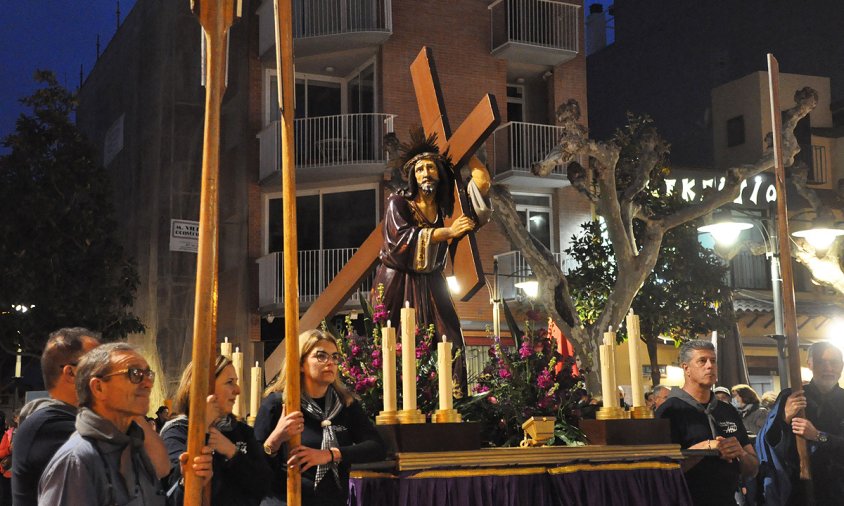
412	270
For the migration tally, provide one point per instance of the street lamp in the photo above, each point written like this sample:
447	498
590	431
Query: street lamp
726	231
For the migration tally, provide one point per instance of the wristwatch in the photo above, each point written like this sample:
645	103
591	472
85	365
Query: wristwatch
823	437
269	450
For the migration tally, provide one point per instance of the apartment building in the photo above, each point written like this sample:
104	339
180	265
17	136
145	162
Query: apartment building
142	106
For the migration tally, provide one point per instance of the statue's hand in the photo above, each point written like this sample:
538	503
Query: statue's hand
461	226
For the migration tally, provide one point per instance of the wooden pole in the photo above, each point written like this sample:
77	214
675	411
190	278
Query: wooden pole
216	17
284	64
784	241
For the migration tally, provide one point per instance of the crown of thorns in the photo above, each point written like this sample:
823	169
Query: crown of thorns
421	147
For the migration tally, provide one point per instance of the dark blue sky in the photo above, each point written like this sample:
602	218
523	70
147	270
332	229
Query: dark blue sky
59	35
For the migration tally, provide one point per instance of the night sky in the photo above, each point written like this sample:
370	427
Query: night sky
58	35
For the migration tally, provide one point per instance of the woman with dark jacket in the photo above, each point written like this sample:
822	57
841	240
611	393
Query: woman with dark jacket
747	402
335	430
242	474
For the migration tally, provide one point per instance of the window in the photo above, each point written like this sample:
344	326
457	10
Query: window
735	131
317	216
535	212
515	102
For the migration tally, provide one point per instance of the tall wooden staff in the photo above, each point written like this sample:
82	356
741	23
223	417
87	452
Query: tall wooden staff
284	64
216	17
784	240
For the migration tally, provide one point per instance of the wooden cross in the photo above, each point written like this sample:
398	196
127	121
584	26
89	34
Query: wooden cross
461	146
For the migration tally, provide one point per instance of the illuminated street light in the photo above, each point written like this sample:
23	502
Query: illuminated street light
725	233
821	238
529	286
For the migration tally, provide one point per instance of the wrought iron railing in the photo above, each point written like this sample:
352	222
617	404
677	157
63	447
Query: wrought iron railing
513	268
544	23
316	269
324	141
820	173
516	146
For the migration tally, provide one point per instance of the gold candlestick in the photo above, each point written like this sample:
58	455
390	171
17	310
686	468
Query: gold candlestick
409	413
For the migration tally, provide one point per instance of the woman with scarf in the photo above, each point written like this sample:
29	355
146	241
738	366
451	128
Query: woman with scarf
747	402
335	430
242	473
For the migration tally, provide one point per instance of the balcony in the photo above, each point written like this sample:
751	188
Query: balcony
516	146
544	32
327	26
513	268
328	146
316	269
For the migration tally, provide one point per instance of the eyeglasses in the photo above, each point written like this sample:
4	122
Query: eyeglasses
322	357
136	375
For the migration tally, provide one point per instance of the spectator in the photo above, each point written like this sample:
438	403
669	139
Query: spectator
723	394
162	416
6	445
767	400
242	474
747	402
334	428
47	423
700	422
114	457
822	427
649	400
660	395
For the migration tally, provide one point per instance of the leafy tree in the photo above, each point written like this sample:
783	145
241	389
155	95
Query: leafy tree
58	248
684	296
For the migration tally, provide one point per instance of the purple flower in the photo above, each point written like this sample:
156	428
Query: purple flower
525	350
355	350
481	389
376	353
376	363
504	373
544	380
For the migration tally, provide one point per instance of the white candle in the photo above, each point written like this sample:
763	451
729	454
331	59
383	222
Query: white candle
388	361
237	363
633	336
226	348
408	356
609	389
446	385
18	364
257	386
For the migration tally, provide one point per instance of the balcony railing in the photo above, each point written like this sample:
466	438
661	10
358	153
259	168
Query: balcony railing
539	31
328	18
326	141
316	269
516	146
820	173
513	268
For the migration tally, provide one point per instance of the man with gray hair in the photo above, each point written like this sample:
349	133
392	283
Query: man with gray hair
48	422
822	427
660	395
699	421
111	459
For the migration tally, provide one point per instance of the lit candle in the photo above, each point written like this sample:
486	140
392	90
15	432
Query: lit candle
446	385
609	389
226	348
237	362
408	357
633	336
257	386
18	364
388	358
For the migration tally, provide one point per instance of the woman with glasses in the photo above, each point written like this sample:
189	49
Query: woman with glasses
242	473
335	430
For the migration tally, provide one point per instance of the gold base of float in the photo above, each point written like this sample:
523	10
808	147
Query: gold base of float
446	416
387	418
538	430
611	413
641	412
411	416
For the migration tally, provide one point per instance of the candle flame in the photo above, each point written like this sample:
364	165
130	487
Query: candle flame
407	304
444	339
610	329
226	339
256	363
388	324
237	349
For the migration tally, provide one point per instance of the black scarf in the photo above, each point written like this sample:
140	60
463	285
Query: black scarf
329	435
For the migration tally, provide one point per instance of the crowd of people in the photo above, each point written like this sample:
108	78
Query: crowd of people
90	442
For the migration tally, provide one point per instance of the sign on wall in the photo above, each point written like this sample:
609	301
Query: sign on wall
184	235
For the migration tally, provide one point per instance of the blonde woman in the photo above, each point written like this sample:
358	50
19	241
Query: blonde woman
242	472
335	430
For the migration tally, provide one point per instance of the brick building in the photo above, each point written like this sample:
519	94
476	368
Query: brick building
142	106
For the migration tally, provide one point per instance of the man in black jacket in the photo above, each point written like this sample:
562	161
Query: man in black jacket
48	423
822	428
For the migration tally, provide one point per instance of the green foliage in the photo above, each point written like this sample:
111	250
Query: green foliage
58	249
